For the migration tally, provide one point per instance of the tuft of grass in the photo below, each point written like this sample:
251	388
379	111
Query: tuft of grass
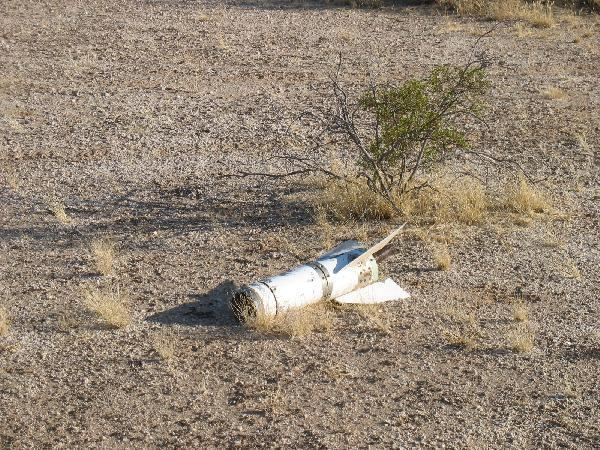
554	93
470	203
444	202
537	13
525	199
441	257
585	147
58	210
345	201
294	323
110	307
11	179
4	322
66	321
103	253
201	17
462	325
520	311
462	338
570	269
521	339
164	346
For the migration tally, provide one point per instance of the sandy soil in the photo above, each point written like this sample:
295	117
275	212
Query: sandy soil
127	112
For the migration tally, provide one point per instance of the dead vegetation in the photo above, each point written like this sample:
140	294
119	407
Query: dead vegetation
164	346
295	323
342	201
4	322
103	254
441	257
554	93
11	178
520	312
57	209
524	199
110	306
537	13
447	201
375	316
521	338
461	326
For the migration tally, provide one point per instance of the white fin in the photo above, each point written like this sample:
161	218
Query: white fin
366	255
342	247
382	291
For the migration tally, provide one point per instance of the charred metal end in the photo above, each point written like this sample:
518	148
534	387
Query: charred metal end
244	304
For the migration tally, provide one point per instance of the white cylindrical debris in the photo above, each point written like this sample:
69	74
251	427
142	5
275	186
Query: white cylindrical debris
307	284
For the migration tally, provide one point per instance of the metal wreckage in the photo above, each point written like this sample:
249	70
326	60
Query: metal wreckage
348	273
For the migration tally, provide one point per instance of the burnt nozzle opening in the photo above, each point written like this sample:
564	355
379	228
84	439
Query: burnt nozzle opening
244	304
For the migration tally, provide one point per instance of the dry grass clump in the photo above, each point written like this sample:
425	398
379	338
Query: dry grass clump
463	338
462	327
470	203
554	93
570	269
520	311
11	178
58	210
523	198
103	252
294	323
441	257
4	322
445	201
164	346
521	339
110	307
348	201
536	13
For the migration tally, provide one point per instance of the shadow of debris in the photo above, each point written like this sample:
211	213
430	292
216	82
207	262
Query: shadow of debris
583	353
209	309
178	211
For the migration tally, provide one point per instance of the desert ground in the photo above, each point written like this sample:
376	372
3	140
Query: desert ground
122	121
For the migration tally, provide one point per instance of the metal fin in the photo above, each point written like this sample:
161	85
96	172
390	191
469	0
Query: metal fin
382	291
342	247
380	245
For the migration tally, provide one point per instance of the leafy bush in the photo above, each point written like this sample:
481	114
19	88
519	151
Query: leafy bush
399	131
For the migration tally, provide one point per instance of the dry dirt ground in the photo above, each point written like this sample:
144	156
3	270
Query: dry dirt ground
127	112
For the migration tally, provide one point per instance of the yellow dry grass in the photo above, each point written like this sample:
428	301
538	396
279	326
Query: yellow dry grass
441	257
164	346
58	210
521	339
11	178
109	306
461	324
523	198
344	201
554	93
446	201
463	338
294	323
103	253
539	14
520	311
4	322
